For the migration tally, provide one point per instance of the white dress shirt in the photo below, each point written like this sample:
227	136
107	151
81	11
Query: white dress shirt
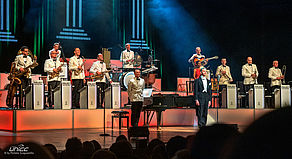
205	83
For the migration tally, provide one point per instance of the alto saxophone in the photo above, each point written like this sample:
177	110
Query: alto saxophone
57	73
78	71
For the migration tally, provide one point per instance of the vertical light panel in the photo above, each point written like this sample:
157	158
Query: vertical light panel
67	12
2	15
142	20
80	13
7	16
133	21
74	13
138	17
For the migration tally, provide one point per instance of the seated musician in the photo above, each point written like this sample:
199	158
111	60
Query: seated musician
198	61
275	75
22	62
53	68
99	70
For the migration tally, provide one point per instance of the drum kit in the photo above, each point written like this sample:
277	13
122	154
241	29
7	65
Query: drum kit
125	75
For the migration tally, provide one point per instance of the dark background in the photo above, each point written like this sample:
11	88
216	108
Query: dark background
233	29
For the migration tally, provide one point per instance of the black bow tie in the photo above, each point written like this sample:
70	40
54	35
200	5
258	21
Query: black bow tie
24	56
138	78
128	50
79	57
224	66
249	64
54	60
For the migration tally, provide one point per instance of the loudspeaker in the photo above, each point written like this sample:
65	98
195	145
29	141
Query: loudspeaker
140	131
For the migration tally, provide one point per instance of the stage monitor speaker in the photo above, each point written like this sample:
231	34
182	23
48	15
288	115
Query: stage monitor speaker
257	96
88	96
140	131
112	96
106	57
63	96
35	96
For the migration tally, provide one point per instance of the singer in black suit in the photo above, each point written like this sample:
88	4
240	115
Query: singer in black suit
203	97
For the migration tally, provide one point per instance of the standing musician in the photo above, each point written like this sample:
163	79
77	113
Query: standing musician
275	75
223	73
250	72
76	65
196	59
100	76
135	92
203	97
127	57
53	69
24	63
56	47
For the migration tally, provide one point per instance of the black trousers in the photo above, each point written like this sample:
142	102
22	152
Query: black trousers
100	93
23	89
202	109
77	85
51	86
136	109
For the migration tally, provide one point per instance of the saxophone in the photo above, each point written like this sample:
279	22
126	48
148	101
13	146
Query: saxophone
78	71
26	71
14	82
99	76
57	73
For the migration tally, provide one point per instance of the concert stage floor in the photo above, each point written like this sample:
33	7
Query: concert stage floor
56	126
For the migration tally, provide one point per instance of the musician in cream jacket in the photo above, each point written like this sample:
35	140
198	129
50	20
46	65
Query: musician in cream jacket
99	67
52	65
223	72
21	62
249	72
135	93
127	57
78	77
275	75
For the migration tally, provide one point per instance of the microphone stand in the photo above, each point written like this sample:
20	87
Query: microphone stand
100	91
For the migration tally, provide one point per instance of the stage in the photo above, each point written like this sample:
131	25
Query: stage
31	120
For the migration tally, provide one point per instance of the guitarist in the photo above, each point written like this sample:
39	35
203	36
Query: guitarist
21	62
99	68
76	65
197	60
52	65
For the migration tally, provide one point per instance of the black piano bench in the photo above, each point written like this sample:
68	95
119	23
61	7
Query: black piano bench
120	114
